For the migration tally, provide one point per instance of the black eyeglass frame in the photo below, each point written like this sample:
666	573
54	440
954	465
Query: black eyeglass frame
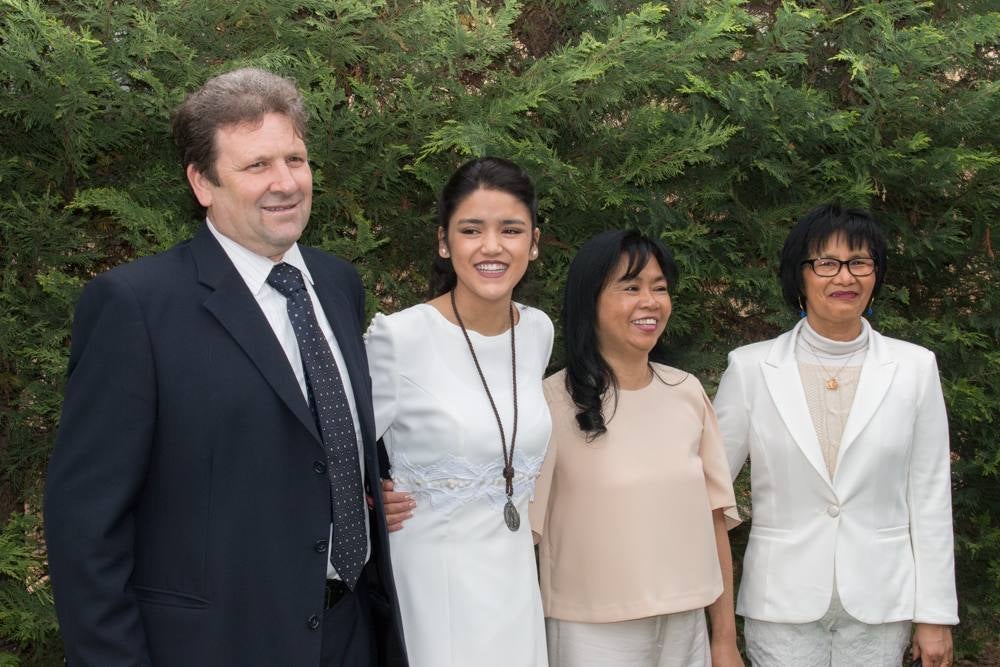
841	265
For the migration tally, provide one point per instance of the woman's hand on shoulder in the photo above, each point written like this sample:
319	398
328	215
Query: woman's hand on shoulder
725	653
932	644
398	506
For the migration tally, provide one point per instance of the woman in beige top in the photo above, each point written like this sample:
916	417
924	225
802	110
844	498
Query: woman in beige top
629	504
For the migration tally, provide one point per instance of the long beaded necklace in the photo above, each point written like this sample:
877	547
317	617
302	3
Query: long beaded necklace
510	514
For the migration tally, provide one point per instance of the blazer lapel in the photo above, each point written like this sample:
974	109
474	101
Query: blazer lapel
339	313
237	311
781	375
877	372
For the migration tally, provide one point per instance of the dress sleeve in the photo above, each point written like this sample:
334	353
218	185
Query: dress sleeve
543	485
382	366
929	499
733	417
549	337
713	460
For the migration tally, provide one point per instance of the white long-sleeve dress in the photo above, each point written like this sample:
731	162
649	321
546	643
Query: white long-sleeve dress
467	585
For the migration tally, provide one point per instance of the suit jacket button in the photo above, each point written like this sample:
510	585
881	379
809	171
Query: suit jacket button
313	622
833	511
319	467
320	546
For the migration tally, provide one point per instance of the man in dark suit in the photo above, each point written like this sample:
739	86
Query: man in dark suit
205	503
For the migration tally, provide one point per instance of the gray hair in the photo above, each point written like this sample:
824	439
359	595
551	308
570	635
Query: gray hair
237	97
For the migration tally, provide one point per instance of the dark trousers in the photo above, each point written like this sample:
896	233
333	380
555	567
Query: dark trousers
348	631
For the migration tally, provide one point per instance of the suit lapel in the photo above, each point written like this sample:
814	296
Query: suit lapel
339	314
877	372
339	311
237	311
346	329
781	375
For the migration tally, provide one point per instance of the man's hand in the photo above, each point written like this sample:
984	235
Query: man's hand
398	505
932	644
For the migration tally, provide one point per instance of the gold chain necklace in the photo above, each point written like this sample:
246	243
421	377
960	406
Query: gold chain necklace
832	381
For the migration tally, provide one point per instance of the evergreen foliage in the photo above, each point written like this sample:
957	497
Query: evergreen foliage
711	123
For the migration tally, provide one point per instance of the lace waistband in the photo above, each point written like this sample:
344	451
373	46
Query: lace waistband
454	481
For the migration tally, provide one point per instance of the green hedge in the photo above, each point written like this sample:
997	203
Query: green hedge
712	123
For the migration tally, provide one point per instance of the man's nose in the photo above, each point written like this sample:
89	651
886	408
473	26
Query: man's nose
283	180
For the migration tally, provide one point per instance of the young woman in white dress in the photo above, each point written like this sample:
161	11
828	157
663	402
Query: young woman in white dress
457	388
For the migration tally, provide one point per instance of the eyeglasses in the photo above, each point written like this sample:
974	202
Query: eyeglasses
828	267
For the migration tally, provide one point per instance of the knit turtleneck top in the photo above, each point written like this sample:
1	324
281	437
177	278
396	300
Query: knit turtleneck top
820	360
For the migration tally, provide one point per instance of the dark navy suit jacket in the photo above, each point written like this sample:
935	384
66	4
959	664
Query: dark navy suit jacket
186	509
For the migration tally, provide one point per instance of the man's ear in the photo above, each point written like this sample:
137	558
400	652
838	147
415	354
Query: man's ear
201	185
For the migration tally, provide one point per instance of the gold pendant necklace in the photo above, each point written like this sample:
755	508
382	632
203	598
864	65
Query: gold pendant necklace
832	382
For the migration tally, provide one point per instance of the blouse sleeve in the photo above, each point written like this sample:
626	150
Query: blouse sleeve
543	485
713	460
382	368
733	417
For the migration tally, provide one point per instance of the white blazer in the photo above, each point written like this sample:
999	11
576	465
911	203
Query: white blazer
882	525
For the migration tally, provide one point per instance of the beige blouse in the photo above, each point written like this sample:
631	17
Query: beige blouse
821	359
626	520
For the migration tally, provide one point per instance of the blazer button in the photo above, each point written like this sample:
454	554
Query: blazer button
319	467
320	546
833	511
312	622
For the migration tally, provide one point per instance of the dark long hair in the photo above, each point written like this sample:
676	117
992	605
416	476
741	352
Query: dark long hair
588	375
489	173
811	233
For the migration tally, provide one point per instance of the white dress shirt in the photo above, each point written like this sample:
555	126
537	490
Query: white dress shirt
254	269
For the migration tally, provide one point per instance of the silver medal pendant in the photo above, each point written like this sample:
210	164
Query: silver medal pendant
511	517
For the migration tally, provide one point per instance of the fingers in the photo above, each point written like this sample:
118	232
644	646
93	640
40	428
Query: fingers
932	644
936	659
395	522
398	506
933	653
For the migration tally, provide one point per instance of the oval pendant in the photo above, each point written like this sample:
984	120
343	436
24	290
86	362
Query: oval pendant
832	384
511	517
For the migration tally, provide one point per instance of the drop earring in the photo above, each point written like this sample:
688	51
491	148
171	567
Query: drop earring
869	312
802	309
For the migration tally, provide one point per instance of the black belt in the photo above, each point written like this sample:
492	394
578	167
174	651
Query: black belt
335	592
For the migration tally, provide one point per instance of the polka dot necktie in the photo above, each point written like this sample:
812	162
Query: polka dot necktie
336	426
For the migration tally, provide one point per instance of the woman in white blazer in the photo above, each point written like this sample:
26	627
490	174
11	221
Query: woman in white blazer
851	539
